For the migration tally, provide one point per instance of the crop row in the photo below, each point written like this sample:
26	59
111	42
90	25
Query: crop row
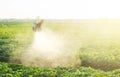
15	70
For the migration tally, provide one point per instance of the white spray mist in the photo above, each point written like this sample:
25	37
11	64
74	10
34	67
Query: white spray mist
50	50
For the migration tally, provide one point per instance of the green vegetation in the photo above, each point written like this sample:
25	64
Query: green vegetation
13	70
99	49
14	37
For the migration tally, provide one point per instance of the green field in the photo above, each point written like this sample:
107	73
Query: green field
95	42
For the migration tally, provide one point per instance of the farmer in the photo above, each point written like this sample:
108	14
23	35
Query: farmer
37	25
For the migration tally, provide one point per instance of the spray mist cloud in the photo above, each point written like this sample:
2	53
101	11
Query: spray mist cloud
50	50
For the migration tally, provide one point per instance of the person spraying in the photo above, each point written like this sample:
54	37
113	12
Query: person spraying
37	25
